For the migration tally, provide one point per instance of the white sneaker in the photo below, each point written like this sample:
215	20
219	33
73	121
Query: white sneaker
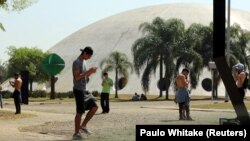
85	130
77	136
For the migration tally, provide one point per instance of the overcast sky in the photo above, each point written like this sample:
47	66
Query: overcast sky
47	22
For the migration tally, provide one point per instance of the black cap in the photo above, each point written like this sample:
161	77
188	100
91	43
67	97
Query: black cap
88	50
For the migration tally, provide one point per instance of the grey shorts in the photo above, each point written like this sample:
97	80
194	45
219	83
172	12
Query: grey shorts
90	104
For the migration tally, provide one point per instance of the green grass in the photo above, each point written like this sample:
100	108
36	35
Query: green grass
127	97
10	115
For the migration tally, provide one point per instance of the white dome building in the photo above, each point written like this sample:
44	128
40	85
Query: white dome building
118	33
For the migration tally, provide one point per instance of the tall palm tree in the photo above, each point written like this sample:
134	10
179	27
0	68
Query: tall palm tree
118	62
200	39
162	45
240	45
203	44
1	27
3	72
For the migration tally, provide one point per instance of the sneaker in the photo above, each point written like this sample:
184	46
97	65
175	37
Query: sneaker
181	118
77	136
189	118
85	130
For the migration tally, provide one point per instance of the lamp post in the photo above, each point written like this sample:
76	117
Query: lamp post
228	42
212	66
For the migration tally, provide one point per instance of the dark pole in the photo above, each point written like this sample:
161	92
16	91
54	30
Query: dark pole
221	61
25	87
52	80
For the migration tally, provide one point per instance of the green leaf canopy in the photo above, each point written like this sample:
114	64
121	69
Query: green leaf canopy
53	64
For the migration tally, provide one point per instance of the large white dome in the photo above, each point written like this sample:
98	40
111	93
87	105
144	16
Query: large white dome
118	33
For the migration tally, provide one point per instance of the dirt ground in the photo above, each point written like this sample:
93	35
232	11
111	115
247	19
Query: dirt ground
55	121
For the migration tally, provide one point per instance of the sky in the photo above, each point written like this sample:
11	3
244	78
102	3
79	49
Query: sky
47	22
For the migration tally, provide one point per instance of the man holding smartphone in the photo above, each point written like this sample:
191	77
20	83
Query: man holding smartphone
80	75
17	84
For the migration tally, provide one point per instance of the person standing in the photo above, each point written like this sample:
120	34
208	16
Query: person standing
239	76
80	75
182	95
17	84
107	83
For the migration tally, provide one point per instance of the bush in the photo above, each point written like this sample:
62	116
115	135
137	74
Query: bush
95	93
38	93
65	94
7	94
71	94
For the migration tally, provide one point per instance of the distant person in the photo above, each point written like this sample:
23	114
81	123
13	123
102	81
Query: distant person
17	84
1	97
135	97
143	97
239	76
80	75
107	84
182	95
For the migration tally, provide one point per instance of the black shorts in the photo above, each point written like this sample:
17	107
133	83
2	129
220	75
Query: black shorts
79	98
90	104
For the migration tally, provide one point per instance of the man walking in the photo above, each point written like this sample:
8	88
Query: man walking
80	75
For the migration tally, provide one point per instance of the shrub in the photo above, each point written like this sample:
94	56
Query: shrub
38	93
65	94
71	94
95	93
7	94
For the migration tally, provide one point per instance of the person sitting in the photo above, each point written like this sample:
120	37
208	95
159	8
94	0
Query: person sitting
143	97
135	97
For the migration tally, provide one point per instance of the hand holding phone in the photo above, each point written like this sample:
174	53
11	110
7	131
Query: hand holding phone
94	69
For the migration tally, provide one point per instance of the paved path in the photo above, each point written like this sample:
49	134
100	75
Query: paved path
55	121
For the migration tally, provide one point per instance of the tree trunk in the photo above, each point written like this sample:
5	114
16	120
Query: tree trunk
167	88
52	94
31	85
116	83
161	73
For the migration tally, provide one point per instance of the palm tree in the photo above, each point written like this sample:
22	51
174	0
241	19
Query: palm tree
201	40
186	55
1	27
3	72
163	44
118	62
240	45
203	44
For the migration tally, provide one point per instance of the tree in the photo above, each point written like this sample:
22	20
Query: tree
27	59
203	44
239	45
14	5
3	72
163	44
187	56
1	27
118	62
